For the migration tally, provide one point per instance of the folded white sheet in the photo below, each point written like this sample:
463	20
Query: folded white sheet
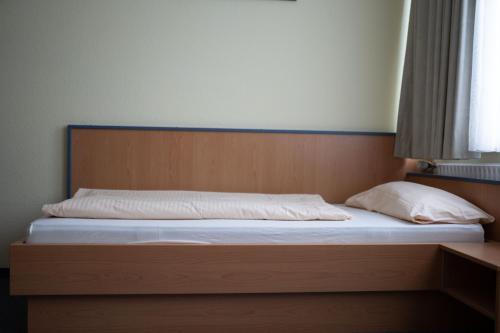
191	205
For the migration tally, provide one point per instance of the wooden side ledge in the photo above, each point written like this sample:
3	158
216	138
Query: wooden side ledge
204	269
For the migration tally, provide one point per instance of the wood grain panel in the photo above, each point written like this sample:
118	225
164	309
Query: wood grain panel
333	313
335	166
196	269
485	196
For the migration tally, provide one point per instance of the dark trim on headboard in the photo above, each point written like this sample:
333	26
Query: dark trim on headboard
234	130
194	129
461	179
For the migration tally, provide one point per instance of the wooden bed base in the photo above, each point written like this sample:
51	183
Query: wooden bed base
228	288
234	288
322	312
216	269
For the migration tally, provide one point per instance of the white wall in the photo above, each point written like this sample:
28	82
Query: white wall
309	64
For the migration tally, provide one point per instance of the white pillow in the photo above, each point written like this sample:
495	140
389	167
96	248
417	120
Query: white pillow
419	203
177	205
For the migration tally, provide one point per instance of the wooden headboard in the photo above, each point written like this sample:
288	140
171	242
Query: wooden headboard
333	164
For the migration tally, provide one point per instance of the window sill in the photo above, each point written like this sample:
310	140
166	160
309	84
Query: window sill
462	179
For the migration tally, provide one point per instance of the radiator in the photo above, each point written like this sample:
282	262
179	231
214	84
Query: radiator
469	170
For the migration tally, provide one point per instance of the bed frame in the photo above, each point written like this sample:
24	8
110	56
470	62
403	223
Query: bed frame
245	288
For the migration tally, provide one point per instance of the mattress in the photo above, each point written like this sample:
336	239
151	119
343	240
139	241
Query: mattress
365	227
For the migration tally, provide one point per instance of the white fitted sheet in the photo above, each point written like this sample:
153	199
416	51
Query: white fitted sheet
365	227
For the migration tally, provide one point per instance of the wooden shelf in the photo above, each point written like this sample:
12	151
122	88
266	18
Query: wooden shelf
470	275
481	302
486	254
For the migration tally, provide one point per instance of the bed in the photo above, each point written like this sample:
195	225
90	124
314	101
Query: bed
364	228
120	277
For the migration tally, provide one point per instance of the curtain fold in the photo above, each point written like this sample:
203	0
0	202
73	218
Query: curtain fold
433	118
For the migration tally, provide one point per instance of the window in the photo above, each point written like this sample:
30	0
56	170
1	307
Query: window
484	127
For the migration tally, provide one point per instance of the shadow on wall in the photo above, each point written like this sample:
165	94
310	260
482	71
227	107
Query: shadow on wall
13	310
